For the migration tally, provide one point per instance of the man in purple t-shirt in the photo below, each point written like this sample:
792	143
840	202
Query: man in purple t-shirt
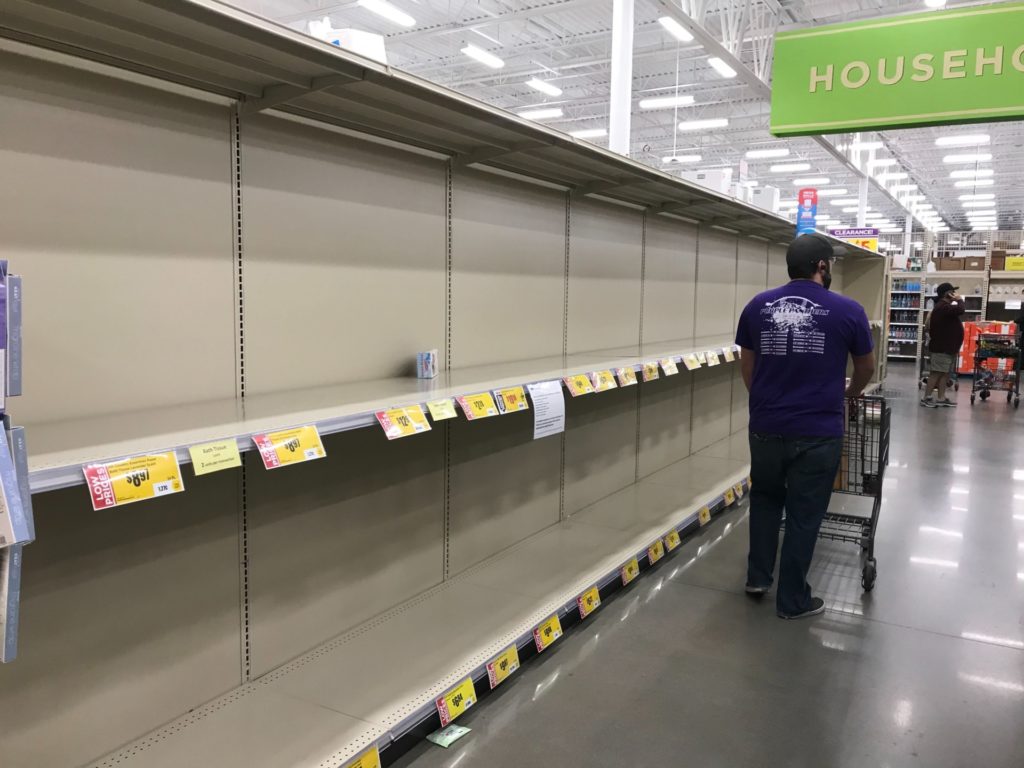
796	341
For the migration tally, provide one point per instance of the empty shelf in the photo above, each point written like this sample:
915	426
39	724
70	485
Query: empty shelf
374	682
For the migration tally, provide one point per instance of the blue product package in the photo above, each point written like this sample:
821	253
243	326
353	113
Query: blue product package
14	315
15	527
10	601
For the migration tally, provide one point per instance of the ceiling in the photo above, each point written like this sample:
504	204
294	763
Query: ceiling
567	44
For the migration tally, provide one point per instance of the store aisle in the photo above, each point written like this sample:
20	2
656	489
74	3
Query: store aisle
683	668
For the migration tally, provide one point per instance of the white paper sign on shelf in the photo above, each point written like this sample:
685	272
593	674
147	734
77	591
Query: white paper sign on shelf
548	408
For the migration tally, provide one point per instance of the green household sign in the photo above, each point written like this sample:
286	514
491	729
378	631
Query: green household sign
944	67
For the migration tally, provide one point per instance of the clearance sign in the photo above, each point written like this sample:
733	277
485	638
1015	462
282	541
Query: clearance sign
956	66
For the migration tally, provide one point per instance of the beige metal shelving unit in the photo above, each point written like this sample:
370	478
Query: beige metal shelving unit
225	227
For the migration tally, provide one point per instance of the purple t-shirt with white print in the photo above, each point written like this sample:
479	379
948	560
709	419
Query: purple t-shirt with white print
802	335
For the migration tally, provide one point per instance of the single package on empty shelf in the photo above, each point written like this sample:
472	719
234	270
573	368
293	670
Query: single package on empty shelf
426	364
19	453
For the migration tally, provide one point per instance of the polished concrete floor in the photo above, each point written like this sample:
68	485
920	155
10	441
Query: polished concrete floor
683	669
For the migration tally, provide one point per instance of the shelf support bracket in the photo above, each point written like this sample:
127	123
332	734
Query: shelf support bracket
274	95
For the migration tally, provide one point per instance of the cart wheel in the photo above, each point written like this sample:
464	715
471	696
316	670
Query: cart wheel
1009	396
984	394
869	575
1016	403
956	386
972	399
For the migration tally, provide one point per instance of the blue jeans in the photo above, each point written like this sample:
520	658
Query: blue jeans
795	474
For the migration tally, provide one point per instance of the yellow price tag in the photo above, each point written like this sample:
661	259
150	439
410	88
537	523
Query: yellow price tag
691	362
478	406
626	376
547	633
730	497
672	540
630	571
456	701
511	399
215	456
289	446
712	358
503	665
441	409
729	355
704	516
135	479
402	422
588	602
668	365
738	490
650	371
604	380
369	759
655	552
579	384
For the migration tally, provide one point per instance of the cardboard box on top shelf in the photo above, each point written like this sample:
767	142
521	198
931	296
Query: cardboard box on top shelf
974	264
948	264
998	261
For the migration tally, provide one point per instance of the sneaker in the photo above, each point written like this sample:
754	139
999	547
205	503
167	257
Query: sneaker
817	606
927	403
757	591
945	403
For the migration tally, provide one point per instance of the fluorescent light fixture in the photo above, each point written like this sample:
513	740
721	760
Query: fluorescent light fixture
941	531
762	154
700	125
664	102
979	204
959	490
971	140
812	180
891	230
676	159
892	176
387	11
543	87
832	192
1008	641
935	561
589	133
790	167
845	201
904	188
850	210
883	163
867	146
485	58
935	3
721	67
914	198
974	183
979	196
544	113
979	173
979	158
677	30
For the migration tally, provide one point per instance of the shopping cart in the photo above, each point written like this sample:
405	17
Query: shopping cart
997	364
852	515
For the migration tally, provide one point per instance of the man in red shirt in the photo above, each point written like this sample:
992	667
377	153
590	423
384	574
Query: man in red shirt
946	335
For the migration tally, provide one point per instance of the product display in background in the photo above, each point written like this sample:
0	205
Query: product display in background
972	330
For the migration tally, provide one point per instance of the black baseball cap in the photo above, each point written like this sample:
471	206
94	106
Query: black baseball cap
812	248
945	288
